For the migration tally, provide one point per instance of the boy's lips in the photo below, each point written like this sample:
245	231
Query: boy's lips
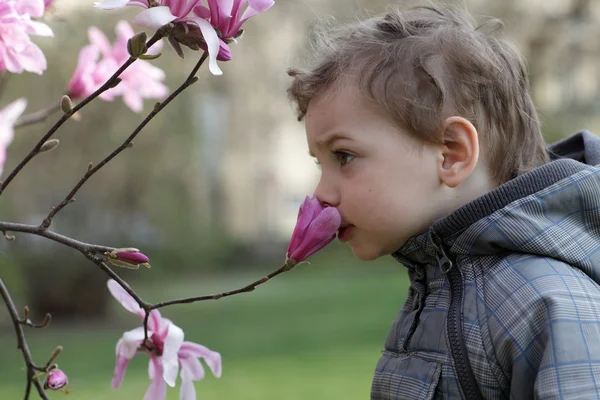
344	233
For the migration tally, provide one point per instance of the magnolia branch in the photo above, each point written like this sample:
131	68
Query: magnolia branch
85	248
110	83
289	264
22	345
91	171
37	116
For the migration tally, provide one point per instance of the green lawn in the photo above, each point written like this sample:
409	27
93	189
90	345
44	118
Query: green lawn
313	333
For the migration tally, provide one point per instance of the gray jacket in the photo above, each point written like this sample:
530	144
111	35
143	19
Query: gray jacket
504	300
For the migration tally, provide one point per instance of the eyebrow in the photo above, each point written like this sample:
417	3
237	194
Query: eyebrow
328	139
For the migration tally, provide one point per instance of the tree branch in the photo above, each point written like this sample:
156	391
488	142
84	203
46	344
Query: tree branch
22	344
157	108
111	82
289	264
37	116
36	230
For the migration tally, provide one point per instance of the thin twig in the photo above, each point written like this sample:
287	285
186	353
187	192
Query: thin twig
36	230
67	200
107	85
37	116
22	344
248	288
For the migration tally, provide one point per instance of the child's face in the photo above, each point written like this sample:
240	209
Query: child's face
382	180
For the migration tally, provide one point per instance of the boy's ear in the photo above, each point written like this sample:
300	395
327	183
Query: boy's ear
459	151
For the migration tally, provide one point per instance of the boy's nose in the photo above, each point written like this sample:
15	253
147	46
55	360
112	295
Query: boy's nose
327	194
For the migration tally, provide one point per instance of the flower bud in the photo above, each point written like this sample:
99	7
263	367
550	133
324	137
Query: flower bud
65	104
136	45
55	380
49	145
128	257
316	227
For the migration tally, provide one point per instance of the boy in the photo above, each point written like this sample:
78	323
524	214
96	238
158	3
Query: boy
430	148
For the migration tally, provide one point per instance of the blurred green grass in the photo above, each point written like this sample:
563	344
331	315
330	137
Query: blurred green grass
313	333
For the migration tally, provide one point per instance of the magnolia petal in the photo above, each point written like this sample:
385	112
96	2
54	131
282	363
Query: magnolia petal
171	346
35	8
202	12
110	4
98	38
319	233
154	17
133	100
191	368
124	298
261	5
212	358
309	209
131	338
187	390
120	367
12	112
158	387
39	28
212	42
170	370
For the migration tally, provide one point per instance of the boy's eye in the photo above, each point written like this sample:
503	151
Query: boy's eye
343	157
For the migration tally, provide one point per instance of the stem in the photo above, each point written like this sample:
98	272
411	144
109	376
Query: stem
189	81
107	85
37	116
22	344
36	230
248	288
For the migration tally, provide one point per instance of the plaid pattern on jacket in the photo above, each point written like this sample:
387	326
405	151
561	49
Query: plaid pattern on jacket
505	301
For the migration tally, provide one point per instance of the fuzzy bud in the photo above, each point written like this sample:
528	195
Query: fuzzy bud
65	104
136	45
49	145
55	380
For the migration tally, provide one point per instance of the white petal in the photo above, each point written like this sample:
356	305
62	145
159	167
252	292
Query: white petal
154	17
212	43
124	298
170	370
136	334
13	111
171	347
187	390
111	4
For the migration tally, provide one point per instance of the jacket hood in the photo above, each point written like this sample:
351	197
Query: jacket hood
551	211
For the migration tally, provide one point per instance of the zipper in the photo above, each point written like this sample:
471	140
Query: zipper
458	348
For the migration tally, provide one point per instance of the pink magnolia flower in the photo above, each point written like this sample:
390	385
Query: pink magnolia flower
227	17
167	350
316	228
56	379
17	52
222	18
8	117
141	80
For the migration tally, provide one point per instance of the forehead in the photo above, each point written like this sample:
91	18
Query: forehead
336	108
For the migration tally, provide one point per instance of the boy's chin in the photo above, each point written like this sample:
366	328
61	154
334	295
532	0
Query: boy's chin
365	252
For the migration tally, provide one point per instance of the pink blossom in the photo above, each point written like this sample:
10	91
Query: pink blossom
8	117
56	379
316	228
167	350
133	256
141	80
17	52
222	18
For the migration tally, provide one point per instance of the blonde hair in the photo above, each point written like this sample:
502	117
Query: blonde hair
426	64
